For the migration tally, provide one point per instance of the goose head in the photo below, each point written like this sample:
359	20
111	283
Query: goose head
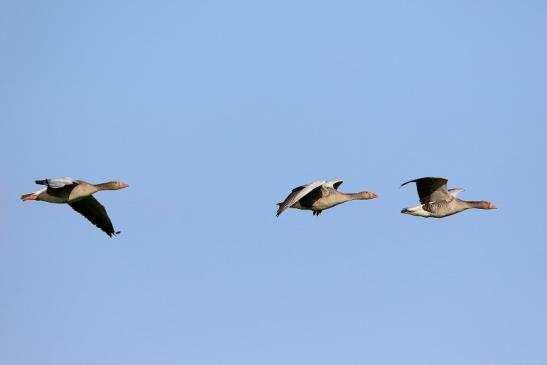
482	204
111	185
365	195
490	205
120	185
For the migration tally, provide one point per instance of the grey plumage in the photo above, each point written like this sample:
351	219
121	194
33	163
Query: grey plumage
78	194
438	202
318	196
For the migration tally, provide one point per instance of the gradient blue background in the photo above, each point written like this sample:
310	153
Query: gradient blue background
212	112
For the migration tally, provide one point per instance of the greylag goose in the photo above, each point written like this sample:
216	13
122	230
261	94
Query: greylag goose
78	194
320	195
437	201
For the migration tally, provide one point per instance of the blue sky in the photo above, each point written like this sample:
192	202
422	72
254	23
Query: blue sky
212	112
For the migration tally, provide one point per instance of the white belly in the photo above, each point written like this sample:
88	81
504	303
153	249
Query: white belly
419	211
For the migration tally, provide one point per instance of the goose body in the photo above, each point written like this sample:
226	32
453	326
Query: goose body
79	195
438	202
320	195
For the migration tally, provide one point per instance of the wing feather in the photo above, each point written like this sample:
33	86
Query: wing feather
333	184
56	183
297	194
431	189
454	192
95	212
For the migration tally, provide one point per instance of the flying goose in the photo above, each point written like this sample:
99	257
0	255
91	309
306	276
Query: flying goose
78	194
320	195
438	202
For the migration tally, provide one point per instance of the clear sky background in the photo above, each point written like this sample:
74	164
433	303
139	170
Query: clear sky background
212	112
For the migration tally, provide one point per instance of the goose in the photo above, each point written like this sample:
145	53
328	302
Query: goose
320	195
78	194
437	201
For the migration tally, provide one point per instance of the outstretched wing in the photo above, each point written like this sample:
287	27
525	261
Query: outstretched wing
454	192
297	194
56	183
333	184
431	189
94	211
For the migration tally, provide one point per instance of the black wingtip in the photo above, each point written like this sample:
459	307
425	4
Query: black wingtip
110	234
408	182
279	211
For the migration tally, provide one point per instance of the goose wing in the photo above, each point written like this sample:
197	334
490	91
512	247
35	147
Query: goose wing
56	183
94	211
297	194
333	184
454	192
431	189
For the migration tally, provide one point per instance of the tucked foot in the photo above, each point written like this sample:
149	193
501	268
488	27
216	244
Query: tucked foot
317	212
30	196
